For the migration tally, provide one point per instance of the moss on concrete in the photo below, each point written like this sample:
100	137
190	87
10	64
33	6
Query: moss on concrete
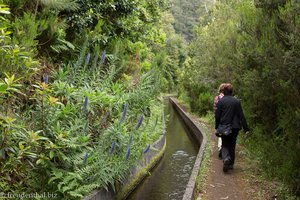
128	188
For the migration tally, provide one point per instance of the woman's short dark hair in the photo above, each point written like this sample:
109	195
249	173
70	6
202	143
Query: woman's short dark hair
228	89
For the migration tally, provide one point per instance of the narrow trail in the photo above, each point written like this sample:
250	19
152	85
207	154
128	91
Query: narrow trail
241	183
232	185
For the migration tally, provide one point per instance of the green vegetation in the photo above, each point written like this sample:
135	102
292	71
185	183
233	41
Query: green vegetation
255	46
78	93
185	14
206	161
78	76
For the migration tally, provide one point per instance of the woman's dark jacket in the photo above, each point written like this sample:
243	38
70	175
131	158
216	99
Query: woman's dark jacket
229	111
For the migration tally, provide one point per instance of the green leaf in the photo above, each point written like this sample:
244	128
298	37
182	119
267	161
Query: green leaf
40	161
3	88
51	154
70	45
4	12
21	146
2	154
57	175
4	9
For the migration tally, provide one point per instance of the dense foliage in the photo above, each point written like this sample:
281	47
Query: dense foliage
78	92
186	17
172	56
79	81
254	45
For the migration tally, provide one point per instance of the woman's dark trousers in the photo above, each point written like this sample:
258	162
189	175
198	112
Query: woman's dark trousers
228	146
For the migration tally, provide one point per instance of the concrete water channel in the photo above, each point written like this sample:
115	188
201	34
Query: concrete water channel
173	161
169	179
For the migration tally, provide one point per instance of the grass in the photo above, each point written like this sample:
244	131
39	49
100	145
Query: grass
205	165
206	162
264	187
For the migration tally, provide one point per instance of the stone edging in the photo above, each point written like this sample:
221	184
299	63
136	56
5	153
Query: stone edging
202	139
140	171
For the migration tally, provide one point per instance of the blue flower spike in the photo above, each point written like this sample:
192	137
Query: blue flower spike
87	60
140	122
147	149
45	79
85	158
113	147
124	112
128	153
103	57
85	104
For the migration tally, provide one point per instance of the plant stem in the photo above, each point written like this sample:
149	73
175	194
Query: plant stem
36	9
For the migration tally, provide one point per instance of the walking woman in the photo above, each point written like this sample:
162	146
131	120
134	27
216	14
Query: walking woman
216	100
229	111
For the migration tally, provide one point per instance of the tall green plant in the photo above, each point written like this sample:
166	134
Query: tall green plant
61	121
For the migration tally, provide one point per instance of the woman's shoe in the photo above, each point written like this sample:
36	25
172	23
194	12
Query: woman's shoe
226	165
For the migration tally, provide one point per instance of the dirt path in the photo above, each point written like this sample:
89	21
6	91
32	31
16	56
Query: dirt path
233	185
241	183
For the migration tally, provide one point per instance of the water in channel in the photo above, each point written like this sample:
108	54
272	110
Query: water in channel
169	178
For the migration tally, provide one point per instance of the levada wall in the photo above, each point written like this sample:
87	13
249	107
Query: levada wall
136	175
152	157
195	129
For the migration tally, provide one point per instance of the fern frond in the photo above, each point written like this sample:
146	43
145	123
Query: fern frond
84	189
